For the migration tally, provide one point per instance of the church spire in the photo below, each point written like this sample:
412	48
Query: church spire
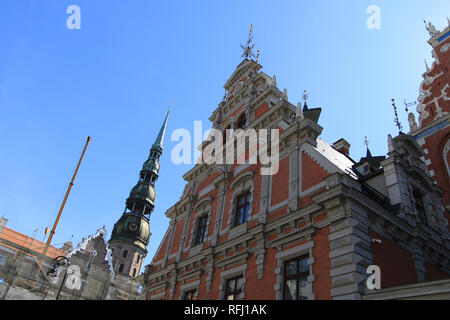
132	232
159	140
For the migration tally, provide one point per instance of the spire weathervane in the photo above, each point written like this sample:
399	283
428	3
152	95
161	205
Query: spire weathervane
305	97
366	142
248	47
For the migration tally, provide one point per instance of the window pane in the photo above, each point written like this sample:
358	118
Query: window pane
302	288
230	297
291	268
231	285
291	290
239	284
240	218
304	267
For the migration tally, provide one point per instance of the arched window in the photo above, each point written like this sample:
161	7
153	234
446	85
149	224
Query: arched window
121	268
125	253
134	272
242	122
138	258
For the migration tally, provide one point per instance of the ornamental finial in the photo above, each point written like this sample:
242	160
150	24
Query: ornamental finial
248	47
396	121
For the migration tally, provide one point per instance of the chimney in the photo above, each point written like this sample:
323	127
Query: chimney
3	222
342	146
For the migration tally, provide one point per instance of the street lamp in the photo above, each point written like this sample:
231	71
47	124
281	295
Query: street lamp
58	262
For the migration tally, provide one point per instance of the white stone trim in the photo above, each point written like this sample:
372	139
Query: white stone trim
282	257
188	287
228	274
206	190
159	296
203	210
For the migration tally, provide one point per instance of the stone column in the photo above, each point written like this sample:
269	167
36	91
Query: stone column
350	249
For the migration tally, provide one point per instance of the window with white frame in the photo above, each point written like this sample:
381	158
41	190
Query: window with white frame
242	208
200	235
296	272
234	288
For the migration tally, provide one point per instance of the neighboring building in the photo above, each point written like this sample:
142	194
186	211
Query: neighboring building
19	261
89	275
97	269
433	133
309	231
131	233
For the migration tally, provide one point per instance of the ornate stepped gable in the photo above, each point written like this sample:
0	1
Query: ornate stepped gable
321	205
433	133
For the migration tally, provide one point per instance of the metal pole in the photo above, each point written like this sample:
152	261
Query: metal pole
61	209
63	281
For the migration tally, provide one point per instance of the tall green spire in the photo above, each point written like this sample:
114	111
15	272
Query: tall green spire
133	227
159	140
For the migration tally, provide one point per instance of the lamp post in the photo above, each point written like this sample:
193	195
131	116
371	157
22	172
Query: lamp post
58	262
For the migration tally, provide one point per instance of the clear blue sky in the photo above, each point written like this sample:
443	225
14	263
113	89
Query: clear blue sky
114	80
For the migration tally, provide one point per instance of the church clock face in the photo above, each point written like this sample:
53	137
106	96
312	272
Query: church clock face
133	226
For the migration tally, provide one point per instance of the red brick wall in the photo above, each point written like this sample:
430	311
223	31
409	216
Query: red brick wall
162	249
312	172
322	265
177	237
280	182
261	110
256	289
396	264
433	273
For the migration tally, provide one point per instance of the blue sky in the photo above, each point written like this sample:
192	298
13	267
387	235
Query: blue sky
115	78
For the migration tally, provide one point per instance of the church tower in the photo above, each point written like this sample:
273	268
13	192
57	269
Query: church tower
131	234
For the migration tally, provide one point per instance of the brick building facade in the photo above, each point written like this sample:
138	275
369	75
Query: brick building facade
311	230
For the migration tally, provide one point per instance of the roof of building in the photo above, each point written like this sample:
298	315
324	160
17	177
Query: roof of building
340	160
28	242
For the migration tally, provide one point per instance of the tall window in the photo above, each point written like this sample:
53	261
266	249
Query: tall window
125	254
296	273
225	134
189	295
201	230
420	207
234	288
134	272
121	268
242	122
242	209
